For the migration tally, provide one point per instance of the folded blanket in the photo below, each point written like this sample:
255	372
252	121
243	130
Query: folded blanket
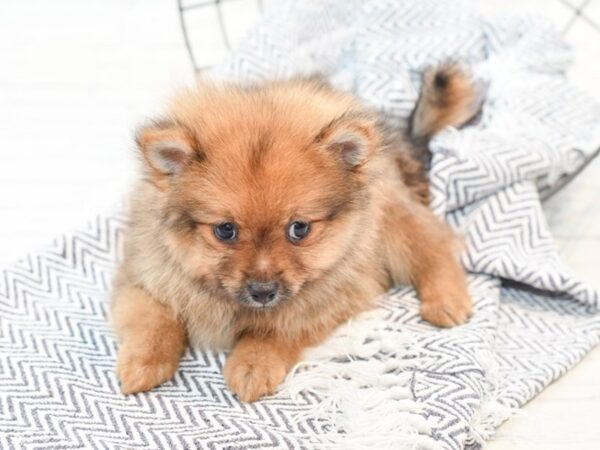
387	379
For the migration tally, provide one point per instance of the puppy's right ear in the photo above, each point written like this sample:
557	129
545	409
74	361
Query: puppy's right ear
352	138
166	147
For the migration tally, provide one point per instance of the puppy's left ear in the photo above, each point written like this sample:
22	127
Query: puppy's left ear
167	148
352	137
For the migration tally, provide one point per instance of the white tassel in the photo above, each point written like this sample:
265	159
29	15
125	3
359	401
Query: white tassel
365	396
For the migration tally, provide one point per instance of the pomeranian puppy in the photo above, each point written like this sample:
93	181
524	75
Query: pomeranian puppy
266	216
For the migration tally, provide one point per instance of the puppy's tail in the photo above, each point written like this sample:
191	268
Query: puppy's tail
448	97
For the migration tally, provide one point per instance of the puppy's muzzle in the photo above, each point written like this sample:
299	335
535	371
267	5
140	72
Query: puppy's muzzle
263	293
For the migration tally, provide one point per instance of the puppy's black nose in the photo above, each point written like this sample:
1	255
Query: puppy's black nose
262	292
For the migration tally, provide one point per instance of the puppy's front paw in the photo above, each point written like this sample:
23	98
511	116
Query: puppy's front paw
140	371
253	376
446	306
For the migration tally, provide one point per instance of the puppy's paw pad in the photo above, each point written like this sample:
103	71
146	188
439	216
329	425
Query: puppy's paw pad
143	374
447	311
251	381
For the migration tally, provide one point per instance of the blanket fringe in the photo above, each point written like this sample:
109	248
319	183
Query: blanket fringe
368	403
491	412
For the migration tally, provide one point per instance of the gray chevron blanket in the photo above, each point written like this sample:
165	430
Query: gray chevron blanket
385	380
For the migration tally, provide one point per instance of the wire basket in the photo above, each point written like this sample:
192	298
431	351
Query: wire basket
211	28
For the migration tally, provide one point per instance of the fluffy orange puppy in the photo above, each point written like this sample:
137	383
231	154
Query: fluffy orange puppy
266	216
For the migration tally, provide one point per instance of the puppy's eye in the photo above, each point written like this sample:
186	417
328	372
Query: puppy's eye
226	231
298	230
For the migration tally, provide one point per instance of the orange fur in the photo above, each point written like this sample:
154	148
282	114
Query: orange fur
448	97
261	158
153	340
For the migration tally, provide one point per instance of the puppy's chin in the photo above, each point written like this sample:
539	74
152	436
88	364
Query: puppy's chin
257	306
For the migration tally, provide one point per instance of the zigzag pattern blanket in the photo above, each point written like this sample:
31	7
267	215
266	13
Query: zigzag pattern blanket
387	380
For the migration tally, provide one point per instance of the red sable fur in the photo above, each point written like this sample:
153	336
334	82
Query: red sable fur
262	157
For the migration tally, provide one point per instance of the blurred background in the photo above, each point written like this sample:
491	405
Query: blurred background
77	76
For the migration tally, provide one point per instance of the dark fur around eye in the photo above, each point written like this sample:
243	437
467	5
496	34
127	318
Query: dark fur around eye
180	220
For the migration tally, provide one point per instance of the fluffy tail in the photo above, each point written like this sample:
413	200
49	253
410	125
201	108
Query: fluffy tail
448	97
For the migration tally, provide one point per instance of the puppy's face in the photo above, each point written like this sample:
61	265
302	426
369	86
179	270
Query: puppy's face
259	204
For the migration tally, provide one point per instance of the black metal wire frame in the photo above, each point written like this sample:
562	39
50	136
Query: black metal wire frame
545	194
578	13
222	27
